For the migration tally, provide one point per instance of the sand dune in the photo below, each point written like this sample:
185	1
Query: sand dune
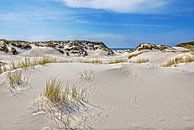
126	95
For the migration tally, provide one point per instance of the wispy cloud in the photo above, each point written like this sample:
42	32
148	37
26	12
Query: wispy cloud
121	6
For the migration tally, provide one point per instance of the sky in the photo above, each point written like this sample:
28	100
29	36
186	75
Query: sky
118	23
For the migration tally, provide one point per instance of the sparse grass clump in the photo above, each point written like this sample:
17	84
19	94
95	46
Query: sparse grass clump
116	61
58	94
53	91
3	69
139	61
21	64
15	78
87	75
134	55
45	60
67	105
94	61
27	62
178	60
192	52
31	63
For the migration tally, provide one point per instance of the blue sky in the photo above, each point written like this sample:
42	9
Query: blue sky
118	23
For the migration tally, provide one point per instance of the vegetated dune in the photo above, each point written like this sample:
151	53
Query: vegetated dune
111	92
188	45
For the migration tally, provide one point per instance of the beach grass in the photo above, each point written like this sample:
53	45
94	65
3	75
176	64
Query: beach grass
15	78
178	60
142	60
31	62
192	52
87	75
116	61
94	61
134	55
58	94
3	69
67	104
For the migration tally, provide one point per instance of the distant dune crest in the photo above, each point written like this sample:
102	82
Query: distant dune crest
68	47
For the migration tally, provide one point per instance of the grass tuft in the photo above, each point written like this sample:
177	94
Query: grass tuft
53	91
31	63
2	69
116	61
94	61
66	104
192	52
178	60
15	78
45	60
58	94
87	75
134	55
139	61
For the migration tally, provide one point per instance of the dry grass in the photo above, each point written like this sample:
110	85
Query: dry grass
192	52
66	104
58	94
134	55
143	60
15	78
31	63
87	75
3	69
94	61
116	61
45	60
178	60
53	91
27	62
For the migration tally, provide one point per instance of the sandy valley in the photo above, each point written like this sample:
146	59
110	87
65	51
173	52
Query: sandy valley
149	88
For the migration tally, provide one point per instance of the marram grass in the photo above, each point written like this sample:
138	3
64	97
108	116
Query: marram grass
178	60
143	60
57	93
66	104
116	61
134	55
15	78
94	61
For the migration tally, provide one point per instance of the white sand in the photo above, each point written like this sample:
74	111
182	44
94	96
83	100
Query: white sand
130	96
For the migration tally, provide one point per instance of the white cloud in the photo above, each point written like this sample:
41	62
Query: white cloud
121	6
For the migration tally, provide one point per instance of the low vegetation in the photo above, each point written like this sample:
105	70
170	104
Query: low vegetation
25	63
3	69
143	60
66	104
31	62
178	60
116	61
87	75
59	94
134	55
188	45
94	61
15	78
192	52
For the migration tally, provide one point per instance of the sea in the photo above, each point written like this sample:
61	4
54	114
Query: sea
122	49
